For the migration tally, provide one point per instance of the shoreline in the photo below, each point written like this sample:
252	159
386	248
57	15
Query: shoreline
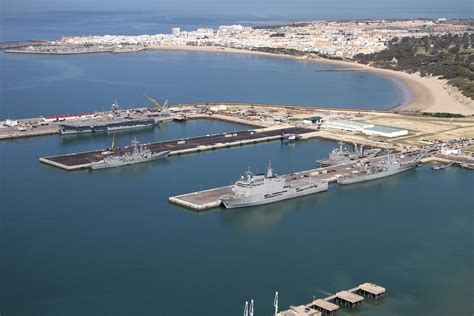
419	94
422	94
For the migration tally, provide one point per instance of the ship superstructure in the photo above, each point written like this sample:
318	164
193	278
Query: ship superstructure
139	153
342	155
385	167
256	189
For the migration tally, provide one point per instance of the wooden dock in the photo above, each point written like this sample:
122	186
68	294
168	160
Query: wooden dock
351	298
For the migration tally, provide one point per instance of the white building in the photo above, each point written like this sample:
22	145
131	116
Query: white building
366	128
385	131
175	31
346	125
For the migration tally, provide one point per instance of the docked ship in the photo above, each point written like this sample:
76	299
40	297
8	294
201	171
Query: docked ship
343	155
388	166
259	189
139	153
117	120
288	138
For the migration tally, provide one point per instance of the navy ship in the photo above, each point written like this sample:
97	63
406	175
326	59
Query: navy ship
138	154
267	188
117	120
388	166
344	155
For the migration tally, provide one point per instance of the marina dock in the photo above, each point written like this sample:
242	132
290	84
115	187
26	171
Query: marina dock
83	160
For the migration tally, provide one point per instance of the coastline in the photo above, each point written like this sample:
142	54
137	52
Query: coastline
425	94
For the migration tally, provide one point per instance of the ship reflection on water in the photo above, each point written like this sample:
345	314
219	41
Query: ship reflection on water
270	216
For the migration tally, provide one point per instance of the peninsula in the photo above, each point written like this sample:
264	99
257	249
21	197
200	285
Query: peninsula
357	45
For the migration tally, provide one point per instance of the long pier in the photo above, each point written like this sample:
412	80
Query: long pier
204	200
76	161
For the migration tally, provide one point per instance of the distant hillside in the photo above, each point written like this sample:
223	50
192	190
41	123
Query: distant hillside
449	56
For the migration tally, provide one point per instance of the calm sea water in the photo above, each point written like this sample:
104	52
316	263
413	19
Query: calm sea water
109	243
44	85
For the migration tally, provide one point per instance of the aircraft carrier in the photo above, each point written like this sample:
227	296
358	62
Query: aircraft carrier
117	120
268	188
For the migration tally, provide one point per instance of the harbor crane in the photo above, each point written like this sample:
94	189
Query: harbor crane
156	103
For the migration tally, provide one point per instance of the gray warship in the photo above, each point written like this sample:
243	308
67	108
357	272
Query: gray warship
138	154
266	188
343	155
117	120
387	166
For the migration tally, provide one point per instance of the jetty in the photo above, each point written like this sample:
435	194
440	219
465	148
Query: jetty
351	298
84	160
207	199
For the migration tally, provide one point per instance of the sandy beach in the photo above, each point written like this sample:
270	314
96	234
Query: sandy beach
427	94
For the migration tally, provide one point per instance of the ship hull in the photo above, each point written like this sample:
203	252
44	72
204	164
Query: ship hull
102	128
261	199
375	176
102	165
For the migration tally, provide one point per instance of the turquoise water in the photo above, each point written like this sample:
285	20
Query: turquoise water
108	242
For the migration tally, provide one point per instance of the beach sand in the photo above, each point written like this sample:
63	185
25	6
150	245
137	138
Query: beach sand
427	94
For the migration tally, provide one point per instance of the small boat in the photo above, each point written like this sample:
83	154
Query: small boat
180	118
288	138
441	166
466	165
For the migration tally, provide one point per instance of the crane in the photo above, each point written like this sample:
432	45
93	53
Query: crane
157	105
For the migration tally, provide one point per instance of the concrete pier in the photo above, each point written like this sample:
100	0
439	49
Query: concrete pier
84	160
210	198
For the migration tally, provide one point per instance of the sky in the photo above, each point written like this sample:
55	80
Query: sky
255	8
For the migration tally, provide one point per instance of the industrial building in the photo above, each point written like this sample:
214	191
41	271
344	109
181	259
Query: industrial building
365	128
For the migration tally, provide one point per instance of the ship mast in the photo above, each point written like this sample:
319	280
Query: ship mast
275	303
270	170
246	308
113	142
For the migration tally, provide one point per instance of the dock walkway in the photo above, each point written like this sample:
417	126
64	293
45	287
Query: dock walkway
350	298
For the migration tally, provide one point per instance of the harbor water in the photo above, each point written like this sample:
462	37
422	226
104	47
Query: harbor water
108	242
49	85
